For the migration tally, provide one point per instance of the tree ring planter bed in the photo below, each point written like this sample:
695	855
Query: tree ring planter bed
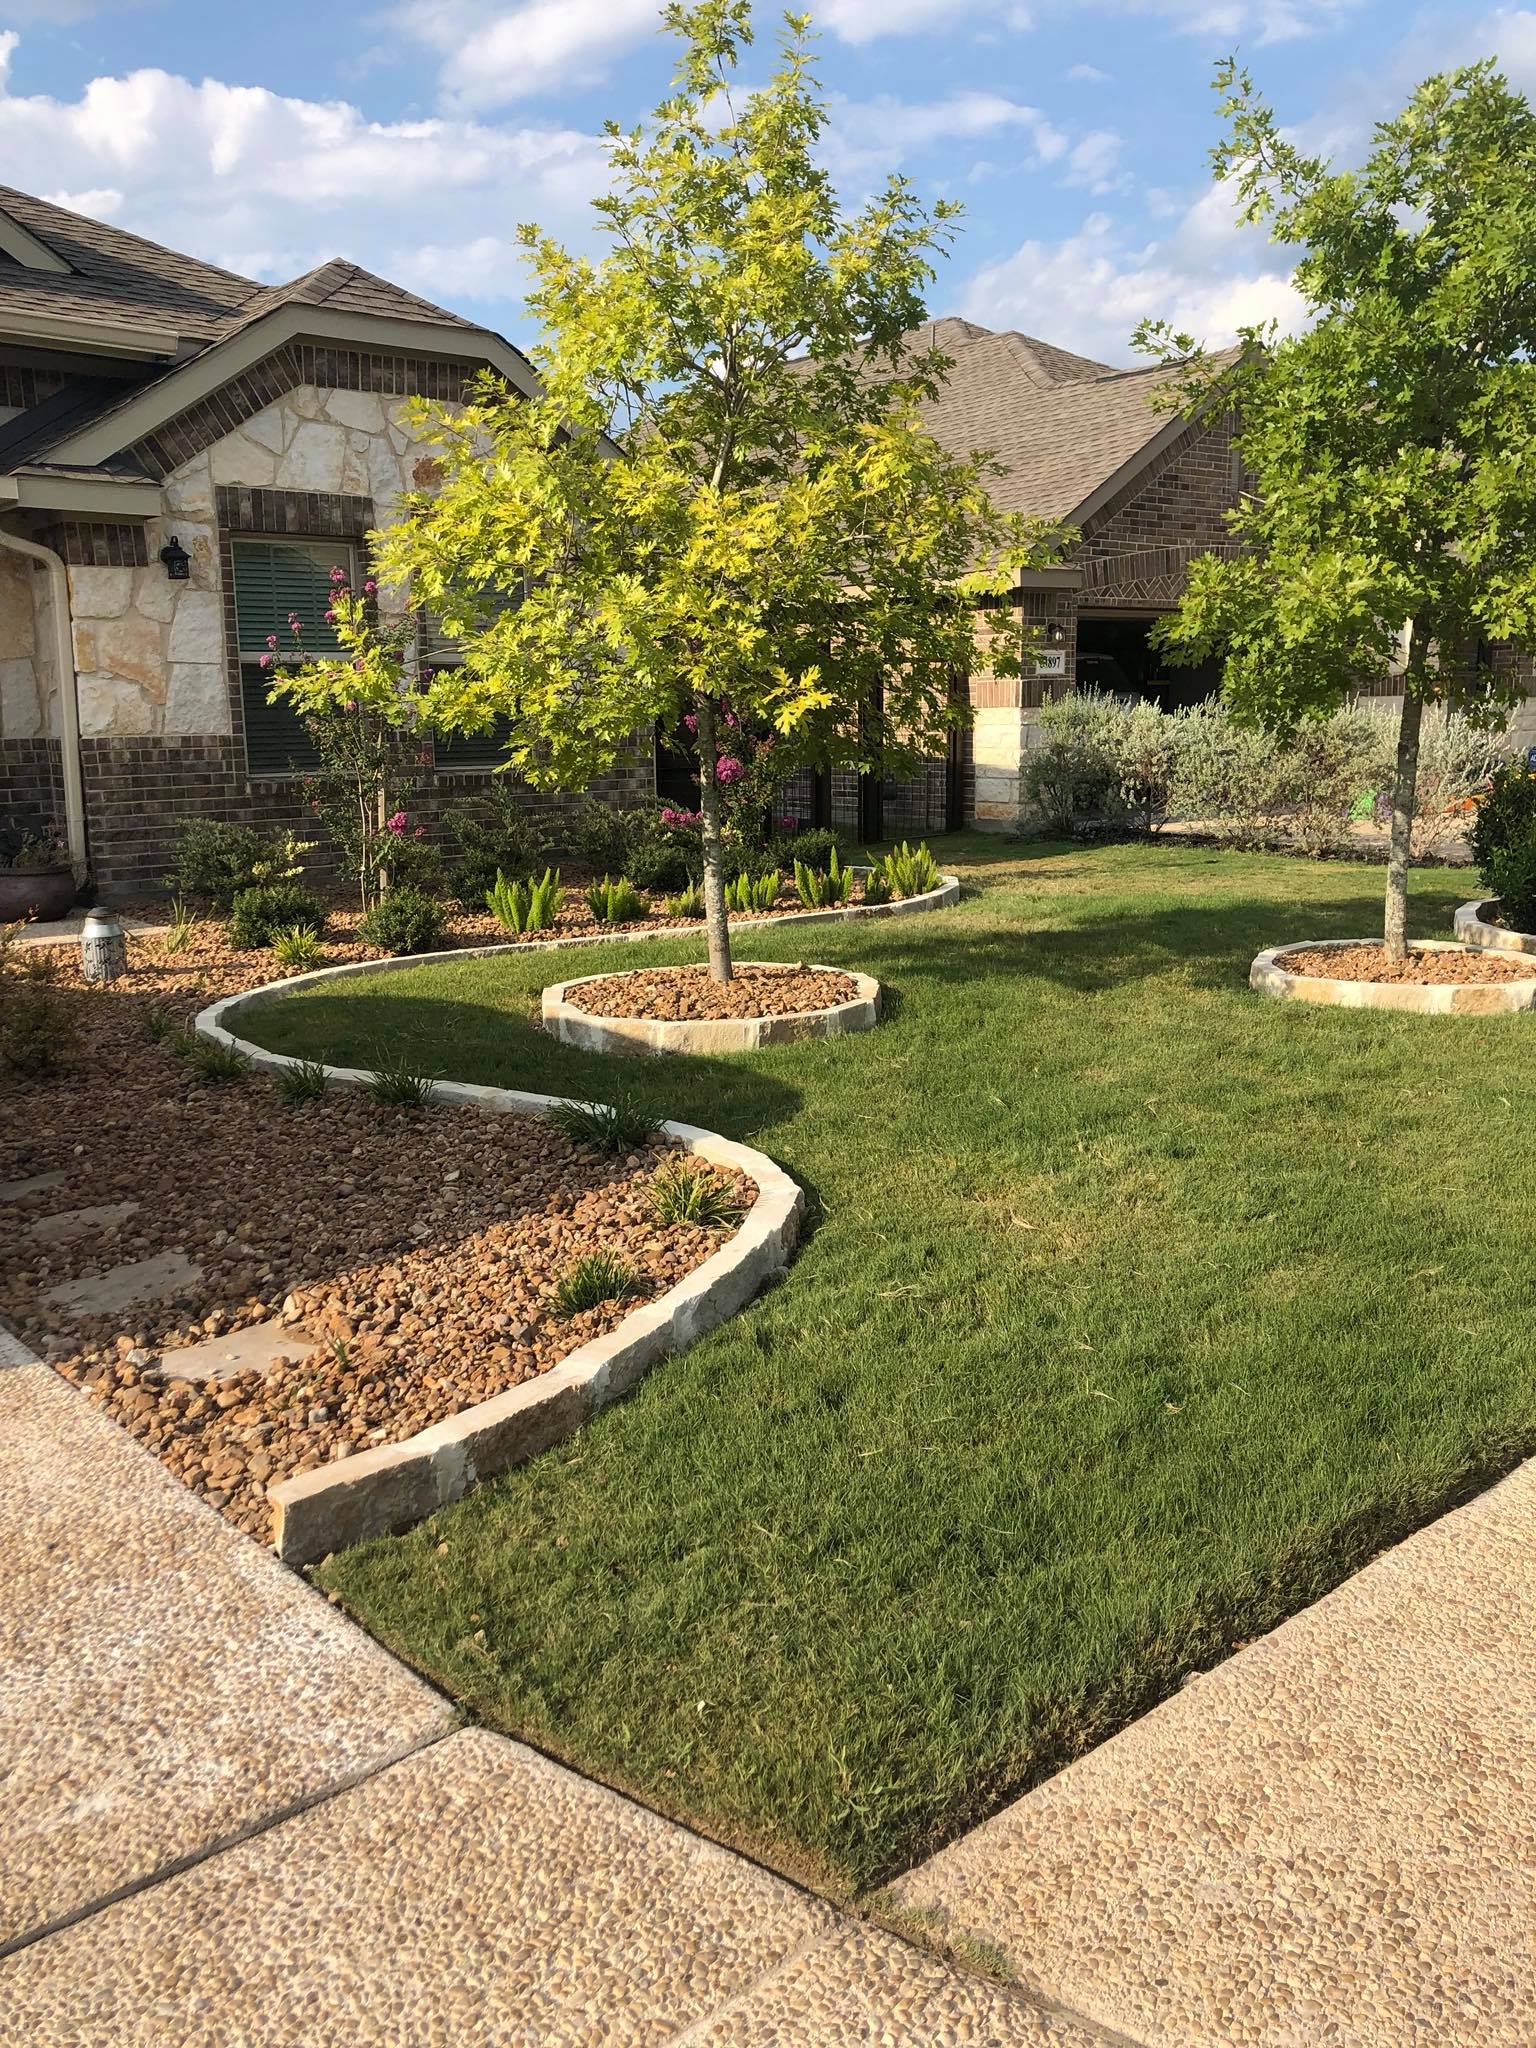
384	1489
1502	990
570	1013
1473	927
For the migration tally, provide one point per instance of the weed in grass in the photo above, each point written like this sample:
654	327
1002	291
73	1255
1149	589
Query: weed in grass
593	1279
157	1024
303	1082
684	1190
398	1082
298	946
616	1126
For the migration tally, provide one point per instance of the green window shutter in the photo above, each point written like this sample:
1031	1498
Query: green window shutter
452	752
273	578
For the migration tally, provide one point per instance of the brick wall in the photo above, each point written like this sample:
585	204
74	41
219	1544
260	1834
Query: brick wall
31	782
1162	518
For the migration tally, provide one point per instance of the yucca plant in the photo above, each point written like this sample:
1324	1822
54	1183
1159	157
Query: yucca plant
530	906
615	902
398	1083
617	1126
298	946
689	903
687	1191
593	1279
821	889
910	870
303	1082
876	888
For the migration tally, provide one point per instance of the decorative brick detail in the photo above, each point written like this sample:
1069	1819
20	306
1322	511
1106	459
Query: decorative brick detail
97	544
326	515
253	390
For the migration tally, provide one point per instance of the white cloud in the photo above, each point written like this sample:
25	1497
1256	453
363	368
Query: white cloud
868	138
1087	74
490	55
269	184
1095	161
1089	290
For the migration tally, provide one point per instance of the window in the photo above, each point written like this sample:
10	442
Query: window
273	578
455	753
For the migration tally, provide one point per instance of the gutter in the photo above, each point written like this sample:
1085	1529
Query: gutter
69	697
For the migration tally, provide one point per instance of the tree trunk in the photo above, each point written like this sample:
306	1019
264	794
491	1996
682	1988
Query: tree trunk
1405	784
716	924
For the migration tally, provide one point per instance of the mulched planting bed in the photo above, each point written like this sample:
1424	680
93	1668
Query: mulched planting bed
422	1249
1370	963
672	993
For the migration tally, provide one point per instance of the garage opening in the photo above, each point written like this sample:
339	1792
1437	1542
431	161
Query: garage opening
1115	654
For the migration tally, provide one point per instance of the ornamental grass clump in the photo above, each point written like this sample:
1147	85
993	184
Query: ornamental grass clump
616	1126
910	870
754	893
686	1191
214	1064
530	906
398	1083
303	1082
181	930
297	946
820	889
593	1279
615	902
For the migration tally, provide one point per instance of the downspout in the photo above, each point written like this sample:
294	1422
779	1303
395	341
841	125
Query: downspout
69	697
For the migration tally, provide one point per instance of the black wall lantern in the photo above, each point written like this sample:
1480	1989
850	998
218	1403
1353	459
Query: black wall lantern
178	563
1058	633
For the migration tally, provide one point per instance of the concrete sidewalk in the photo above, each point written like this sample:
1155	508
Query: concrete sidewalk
229	1818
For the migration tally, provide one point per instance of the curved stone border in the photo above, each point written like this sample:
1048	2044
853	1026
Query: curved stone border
1473	929
592	1033
1269	977
377	1491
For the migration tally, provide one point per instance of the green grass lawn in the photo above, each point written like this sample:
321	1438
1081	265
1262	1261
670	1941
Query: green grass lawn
1135	1312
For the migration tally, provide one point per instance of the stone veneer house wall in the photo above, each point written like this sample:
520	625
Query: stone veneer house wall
144	398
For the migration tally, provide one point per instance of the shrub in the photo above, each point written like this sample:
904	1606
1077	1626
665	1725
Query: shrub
1511	874
259	914
493	834
657	865
1071	777
658	850
818	890
1503	839
617	1126
910	870
813	849
686	1191
615	902
398	1083
875	887
747	893
297	946
303	1082
38	1023
1456	758
526	906
407	920
690	903
593	1279
217	859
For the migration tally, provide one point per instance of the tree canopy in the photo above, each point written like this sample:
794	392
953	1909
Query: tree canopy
725	497
1389	527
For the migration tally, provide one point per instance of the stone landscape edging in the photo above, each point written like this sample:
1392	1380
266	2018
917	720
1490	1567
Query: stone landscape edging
593	1032
1473	929
1269	977
374	1492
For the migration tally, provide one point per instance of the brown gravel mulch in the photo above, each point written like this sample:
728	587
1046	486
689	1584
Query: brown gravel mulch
1370	963
421	1250
672	993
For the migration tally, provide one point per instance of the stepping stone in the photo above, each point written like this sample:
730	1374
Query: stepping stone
257	1347
103	1294
19	1190
77	1222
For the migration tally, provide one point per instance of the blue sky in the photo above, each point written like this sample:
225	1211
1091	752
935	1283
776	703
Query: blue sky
413	137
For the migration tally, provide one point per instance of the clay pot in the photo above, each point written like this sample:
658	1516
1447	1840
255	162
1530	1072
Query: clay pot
35	892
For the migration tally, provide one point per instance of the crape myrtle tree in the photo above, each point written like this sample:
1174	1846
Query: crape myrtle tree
724	506
1390	524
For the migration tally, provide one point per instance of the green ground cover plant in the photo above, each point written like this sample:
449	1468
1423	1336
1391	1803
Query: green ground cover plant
1110	1342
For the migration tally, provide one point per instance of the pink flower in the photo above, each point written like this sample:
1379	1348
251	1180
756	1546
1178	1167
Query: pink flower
267	661
271	639
691	723
358	665
420	832
674	818
350	705
295	621
338	575
788	824
330	617
397	823
370	588
728	769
